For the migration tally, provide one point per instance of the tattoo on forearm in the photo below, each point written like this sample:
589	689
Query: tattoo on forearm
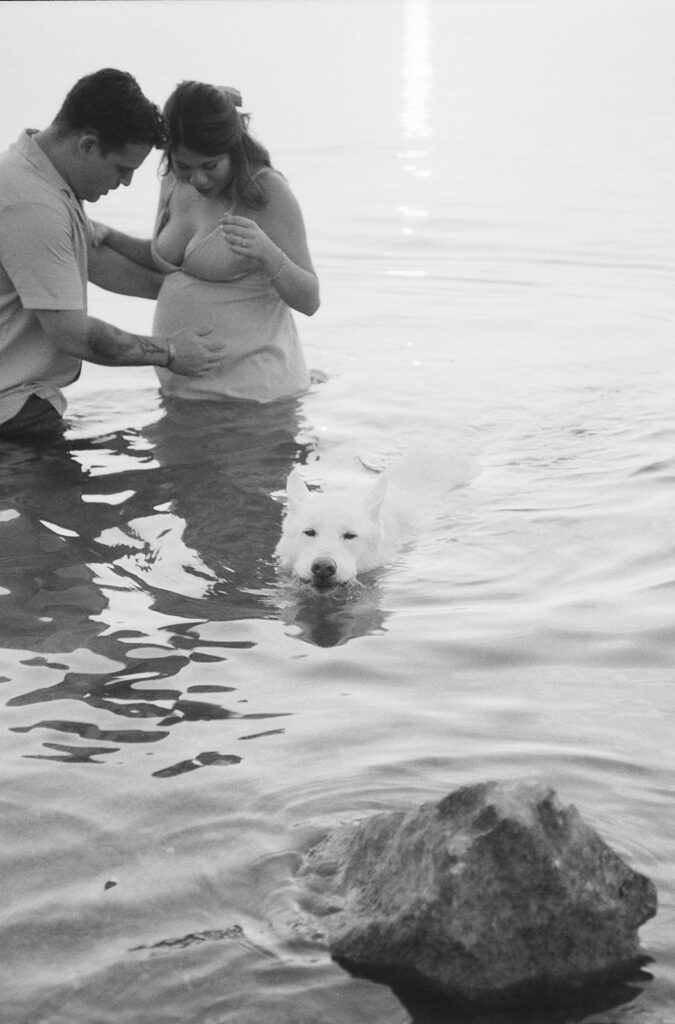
114	347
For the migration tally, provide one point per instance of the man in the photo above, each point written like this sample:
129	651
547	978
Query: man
101	135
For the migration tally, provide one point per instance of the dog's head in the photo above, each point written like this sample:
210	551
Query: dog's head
329	538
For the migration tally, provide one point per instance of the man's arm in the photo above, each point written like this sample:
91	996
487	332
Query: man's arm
118	273
189	353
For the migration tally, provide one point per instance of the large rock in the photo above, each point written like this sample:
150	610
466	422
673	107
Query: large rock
497	892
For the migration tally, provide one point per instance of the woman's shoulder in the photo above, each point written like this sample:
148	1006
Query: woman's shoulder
270	178
276	190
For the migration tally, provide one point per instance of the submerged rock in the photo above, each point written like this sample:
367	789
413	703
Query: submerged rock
496	892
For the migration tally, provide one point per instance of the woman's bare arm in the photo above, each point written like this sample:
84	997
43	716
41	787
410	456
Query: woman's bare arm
277	239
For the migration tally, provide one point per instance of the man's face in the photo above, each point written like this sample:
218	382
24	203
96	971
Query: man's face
99	174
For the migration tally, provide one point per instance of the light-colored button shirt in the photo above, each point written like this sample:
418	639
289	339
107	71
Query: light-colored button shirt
43	265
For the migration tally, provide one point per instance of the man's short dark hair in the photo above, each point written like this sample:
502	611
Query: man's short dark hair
110	104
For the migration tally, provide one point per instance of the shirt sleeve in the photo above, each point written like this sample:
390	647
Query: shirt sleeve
38	255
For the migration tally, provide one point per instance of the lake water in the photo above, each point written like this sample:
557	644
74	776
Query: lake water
487	186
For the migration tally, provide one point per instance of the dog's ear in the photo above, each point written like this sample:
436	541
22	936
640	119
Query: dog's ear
375	496
296	489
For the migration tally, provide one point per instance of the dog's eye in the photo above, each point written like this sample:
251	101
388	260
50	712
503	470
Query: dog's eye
349	535
310	532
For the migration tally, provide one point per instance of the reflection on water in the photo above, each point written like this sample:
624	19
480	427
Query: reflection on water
47	540
601	999
417	70
331	619
185	513
219	467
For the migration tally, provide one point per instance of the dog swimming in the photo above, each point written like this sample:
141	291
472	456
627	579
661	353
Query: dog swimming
330	537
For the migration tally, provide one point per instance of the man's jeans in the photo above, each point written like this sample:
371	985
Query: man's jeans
38	421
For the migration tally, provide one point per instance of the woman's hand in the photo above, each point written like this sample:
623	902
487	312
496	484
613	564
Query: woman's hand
280	247
246	238
100	233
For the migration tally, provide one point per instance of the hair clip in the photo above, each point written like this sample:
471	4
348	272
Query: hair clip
233	93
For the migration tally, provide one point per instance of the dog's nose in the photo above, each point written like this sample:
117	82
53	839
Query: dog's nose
323	570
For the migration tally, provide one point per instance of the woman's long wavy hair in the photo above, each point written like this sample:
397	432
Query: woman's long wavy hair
204	118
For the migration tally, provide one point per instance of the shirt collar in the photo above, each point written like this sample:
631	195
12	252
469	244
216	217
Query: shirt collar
28	147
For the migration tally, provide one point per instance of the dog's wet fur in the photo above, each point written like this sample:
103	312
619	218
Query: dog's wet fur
329	538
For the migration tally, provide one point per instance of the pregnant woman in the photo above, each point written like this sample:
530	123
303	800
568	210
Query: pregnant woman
231	240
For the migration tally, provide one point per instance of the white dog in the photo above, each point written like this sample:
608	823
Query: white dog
331	537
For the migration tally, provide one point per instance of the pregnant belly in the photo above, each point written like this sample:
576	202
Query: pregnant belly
262	358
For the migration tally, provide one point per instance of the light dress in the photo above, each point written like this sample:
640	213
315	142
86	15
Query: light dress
214	287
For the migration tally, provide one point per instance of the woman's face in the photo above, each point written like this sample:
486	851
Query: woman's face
209	175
